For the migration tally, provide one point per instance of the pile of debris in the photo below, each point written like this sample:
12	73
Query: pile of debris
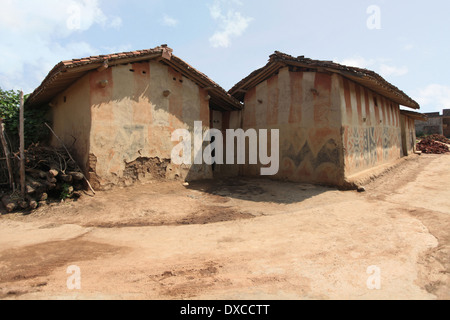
435	144
439	138
51	174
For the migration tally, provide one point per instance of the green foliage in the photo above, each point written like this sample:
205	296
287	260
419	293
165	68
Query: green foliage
67	192
35	130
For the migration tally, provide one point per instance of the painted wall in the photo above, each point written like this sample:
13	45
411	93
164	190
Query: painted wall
371	128
408	135
71	118
305	107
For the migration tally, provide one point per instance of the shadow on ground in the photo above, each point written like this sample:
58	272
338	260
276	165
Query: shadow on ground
259	190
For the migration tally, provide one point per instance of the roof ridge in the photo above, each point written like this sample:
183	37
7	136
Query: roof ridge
332	66
165	51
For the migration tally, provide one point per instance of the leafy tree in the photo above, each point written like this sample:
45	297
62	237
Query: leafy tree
35	130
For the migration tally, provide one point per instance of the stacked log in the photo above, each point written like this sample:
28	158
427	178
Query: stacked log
51	175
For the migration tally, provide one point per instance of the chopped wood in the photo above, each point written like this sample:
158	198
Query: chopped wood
30	189
23	204
70	156
43	197
33	204
77	176
54	172
9	204
66	178
37	174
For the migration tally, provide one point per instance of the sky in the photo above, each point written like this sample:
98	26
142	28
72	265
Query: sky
405	41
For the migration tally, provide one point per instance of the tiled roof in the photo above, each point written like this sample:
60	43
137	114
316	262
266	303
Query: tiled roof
414	115
364	77
67	72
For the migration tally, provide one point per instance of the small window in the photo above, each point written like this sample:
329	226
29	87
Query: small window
375	101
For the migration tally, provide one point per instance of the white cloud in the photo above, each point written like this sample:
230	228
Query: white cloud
387	71
169	21
357	61
231	24
408	47
380	65
434	97
32	33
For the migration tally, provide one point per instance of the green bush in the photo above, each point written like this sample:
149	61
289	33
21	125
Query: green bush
34	128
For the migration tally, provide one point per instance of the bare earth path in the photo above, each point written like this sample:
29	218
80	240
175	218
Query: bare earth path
239	239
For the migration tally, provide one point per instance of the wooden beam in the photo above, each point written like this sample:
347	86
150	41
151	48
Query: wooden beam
22	146
7	155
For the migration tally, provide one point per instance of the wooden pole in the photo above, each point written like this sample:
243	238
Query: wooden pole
71	158
22	146
7	155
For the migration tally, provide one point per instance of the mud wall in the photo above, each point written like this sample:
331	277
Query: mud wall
371	128
434	125
408	135
71	118
304	106
133	118
224	121
446	126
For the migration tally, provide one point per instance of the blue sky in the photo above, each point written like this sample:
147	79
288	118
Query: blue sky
407	42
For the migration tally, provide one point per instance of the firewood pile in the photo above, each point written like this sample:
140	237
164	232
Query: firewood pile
51	174
435	144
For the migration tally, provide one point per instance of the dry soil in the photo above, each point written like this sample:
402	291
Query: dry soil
239	239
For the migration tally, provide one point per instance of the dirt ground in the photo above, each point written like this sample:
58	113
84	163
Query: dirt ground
239	239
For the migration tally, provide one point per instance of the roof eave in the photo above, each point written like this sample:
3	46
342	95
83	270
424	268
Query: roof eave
367	78
65	73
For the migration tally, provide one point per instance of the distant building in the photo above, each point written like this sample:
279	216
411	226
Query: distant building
436	124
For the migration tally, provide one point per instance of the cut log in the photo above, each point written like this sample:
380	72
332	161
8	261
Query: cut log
32	204
54	173
70	156
9	204
51	178
50	186
35	184
66	178
30	189
77	176
37	174
23	204
43	197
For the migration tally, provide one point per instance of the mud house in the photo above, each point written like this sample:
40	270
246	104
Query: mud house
435	124
117	113
336	123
